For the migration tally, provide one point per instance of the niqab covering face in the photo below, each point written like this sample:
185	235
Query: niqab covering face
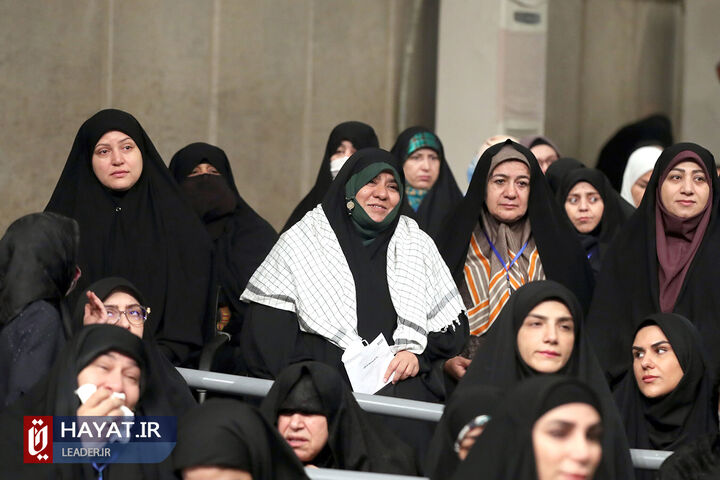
38	257
146	234
230	434
498	363
242	238
356	440
444	195
361	135
505	449
629	285
681	416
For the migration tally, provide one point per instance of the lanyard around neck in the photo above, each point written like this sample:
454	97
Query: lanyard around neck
502	262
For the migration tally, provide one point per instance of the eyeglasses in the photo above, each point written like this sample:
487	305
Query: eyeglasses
135	314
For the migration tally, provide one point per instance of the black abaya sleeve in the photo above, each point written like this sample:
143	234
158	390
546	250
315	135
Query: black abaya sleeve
267	339
444	345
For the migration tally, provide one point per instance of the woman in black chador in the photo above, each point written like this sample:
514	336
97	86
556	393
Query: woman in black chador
241	237
663	260
135	224
345	139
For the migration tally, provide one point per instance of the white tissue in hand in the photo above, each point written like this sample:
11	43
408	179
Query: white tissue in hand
86	391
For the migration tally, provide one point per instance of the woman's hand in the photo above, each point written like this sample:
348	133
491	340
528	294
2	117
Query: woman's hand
101	404
405	364
457	366
94	310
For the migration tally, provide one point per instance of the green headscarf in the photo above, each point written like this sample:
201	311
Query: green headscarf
366	226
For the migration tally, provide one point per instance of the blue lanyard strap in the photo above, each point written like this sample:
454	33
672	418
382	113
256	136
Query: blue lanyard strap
502	262
99	469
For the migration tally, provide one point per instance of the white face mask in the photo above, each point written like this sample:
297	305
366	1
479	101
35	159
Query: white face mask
336	165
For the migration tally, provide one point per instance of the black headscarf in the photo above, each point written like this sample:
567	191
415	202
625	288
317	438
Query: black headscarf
356	441
38	257
147	234
229	434
55	395
368	264
653	130
505	449
444	195
498	363
558	169
628	286
242	237
562	256
683	415
164	376
616	211
698	460
442	459
361	135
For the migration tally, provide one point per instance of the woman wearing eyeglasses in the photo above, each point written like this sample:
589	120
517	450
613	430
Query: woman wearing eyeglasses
116	301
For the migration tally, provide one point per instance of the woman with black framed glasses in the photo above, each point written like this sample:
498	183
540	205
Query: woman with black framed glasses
116	301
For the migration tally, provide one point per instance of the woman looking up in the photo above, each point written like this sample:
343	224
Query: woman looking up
135	224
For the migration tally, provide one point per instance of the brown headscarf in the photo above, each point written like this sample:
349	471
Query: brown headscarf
678	239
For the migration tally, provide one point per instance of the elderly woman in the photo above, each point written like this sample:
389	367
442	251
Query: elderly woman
430	188
508	231
316	413
663	260
38	268
227	439
135	223
356	270
345	139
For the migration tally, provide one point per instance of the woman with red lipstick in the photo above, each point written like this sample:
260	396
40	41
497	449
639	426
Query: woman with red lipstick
539	333
667	399
663	260
134	223
546	428
508	231
431	191
595	210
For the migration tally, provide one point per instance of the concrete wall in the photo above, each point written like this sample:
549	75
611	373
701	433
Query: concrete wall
266	80
701	99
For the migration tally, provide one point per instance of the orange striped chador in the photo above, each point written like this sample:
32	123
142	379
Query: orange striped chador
489	282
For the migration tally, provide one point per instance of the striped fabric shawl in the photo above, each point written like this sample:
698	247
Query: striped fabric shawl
307	273
487	285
